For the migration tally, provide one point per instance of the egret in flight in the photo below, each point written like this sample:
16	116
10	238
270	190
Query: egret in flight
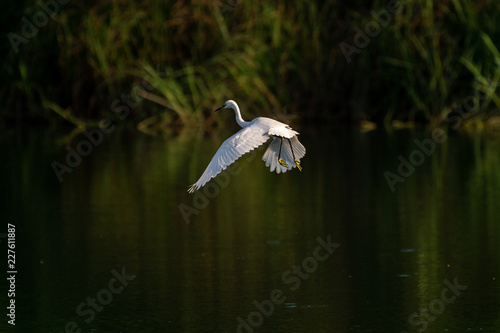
284	152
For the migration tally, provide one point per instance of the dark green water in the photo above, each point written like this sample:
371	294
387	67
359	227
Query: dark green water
253	236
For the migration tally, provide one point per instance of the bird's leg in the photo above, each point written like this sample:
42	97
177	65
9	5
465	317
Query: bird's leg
283	163
293	155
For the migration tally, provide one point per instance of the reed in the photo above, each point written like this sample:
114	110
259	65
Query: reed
267	55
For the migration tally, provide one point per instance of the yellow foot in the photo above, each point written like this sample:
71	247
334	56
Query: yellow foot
283	163
298	165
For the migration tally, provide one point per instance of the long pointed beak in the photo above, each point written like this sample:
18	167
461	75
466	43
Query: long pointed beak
222	107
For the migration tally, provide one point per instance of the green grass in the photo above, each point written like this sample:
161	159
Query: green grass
265	55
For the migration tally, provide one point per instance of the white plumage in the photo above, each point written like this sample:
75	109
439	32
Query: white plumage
284	152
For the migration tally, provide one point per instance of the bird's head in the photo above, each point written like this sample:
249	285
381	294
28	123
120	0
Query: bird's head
230	104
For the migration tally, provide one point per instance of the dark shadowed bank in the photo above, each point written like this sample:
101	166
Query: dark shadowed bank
165	64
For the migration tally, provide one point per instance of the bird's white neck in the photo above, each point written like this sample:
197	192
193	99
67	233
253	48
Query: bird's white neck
239	119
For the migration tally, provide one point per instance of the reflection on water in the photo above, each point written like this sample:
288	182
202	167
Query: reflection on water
248	260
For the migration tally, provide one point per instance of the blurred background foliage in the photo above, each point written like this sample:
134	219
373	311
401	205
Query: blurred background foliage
170	62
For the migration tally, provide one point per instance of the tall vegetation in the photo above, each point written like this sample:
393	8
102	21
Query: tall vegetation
173	62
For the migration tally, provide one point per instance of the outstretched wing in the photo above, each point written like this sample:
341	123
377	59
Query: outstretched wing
272	152
233	148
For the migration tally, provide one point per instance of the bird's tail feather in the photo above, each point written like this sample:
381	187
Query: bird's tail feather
272	153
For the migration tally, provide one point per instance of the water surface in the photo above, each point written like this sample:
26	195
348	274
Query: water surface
208	262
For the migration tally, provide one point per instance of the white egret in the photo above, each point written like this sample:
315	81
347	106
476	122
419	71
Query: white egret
278	156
